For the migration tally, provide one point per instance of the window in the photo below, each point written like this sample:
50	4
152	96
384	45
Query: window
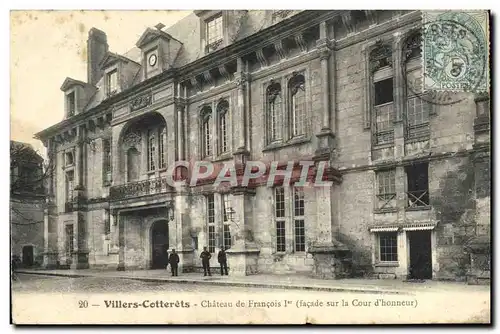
71	104
418	185
382	89
279	216
69	240
298	210
162	143
106	161
222	112
107	222
386	189
207	131
69	158
226	205
211	222
112	82
388	247
274	112
214	32
69	186
384	111
298	105
151	150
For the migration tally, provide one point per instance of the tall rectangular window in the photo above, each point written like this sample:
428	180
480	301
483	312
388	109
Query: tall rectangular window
214	30
151	150
163	141
112	82
71	104
386	188
383	107
211	222
206	131
69	240
69	186
418	185
279	216
388	247
299	228
106	161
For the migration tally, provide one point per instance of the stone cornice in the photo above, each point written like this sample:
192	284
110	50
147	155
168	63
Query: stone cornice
408	160
268	36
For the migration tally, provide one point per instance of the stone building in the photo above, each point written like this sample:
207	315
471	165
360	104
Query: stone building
407	178
27	202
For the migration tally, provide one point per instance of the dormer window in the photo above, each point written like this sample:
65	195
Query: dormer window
112	82
71	104
214	31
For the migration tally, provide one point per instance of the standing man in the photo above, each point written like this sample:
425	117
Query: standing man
205	261
174	262
222	260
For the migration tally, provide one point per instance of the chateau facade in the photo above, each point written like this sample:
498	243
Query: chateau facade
408	177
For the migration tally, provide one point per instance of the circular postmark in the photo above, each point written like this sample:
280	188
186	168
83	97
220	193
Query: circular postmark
454	59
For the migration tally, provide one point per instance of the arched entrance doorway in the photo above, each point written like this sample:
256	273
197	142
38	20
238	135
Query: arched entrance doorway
28	256
159	244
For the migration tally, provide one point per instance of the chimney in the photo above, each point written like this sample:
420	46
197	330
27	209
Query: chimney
97	47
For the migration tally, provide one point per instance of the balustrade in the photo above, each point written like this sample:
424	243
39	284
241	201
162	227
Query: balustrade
140	188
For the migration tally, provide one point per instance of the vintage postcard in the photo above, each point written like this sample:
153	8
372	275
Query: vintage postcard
250	167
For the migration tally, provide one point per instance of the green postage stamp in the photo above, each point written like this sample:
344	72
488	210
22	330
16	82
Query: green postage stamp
456	51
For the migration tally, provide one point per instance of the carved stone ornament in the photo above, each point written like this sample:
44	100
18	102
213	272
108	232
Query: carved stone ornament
281	14
380	57
141	102
412	45
132	138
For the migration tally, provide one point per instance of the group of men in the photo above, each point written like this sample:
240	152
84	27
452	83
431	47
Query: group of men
205	256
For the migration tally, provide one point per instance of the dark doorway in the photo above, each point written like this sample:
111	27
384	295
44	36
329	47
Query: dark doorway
28	256
159	244
420	254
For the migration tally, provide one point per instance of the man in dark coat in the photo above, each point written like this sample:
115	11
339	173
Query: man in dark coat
205	261
173	260
222	260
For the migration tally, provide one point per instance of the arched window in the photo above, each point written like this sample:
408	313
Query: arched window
162	144
206	131
296	86
151	150
274	112
223	115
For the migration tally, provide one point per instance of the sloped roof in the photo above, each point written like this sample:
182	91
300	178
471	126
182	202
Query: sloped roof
69	82
23	151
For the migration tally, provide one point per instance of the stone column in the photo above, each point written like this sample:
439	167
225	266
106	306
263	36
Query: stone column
326	135
50	258
80	254
243	254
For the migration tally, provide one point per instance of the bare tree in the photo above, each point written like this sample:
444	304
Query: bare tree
29	178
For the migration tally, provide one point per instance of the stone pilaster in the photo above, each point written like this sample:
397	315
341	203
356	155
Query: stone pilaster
326	136
50	256
243	254
183	230
241	112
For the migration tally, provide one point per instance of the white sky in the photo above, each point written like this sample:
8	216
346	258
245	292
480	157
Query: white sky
48	46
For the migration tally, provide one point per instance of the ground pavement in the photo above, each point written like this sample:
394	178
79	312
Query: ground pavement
294	281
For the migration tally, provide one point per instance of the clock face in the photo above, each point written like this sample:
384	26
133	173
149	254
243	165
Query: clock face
152	60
